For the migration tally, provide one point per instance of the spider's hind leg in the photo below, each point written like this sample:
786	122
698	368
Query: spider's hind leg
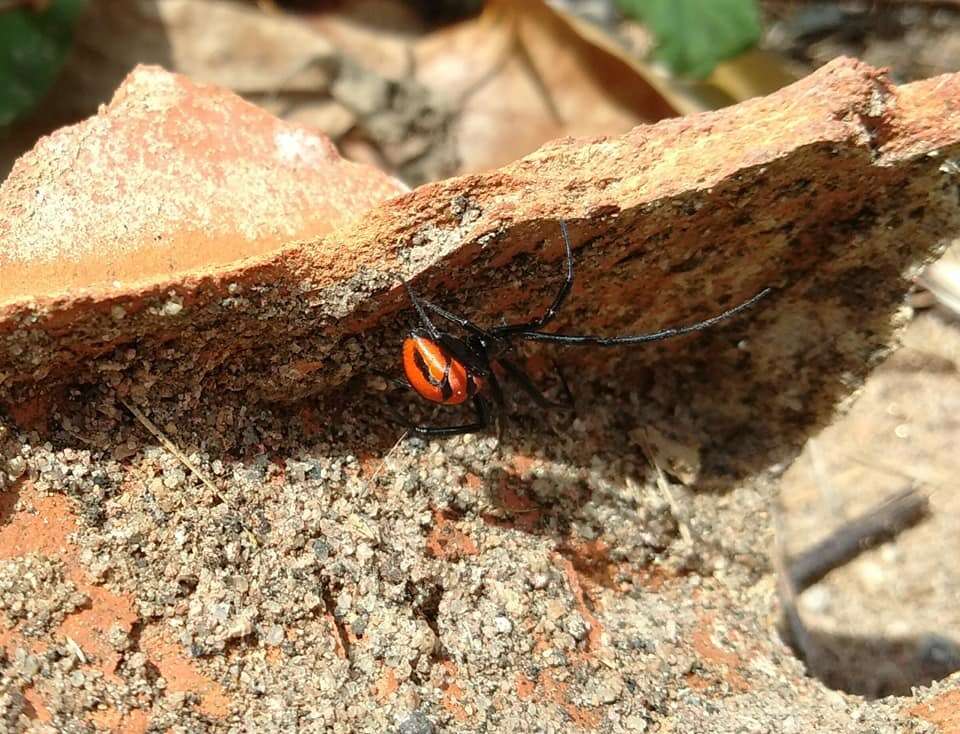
526	384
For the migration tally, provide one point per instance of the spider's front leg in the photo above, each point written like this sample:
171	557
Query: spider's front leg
482	411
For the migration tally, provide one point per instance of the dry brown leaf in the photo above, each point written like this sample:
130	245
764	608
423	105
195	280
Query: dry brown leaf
525	75
522	74
754	73
275	60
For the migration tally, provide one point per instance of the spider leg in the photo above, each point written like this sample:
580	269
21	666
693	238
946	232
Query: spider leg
481	422
526	384
432	330
558	300
616	341
460	321
493	385
465	352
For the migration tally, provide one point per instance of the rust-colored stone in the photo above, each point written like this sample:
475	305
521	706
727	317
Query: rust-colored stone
447	542
43	525
556	692
172	178
387	685
525	687
942	710
452	693
595	635
182	674
716	657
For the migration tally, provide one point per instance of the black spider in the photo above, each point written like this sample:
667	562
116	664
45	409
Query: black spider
450	370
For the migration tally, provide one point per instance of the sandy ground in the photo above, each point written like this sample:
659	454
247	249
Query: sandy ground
893	613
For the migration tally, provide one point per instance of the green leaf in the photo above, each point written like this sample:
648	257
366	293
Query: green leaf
33	47
693	36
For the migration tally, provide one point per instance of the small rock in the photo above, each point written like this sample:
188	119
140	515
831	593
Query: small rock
364	552
30	666
576	626
416	723
274	635
16	466
610	688
539	581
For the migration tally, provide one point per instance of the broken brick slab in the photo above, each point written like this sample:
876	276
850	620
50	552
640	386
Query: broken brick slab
171	179
833	191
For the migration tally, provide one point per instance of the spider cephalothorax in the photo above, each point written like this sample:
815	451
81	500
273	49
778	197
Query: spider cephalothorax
450	370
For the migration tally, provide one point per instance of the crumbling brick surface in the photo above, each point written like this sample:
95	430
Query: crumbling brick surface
290	564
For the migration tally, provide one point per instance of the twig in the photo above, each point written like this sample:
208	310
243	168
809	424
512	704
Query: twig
884	522
170	446
383	463
901	511
182	458
664	486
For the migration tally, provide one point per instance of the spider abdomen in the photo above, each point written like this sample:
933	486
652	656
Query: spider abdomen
436	374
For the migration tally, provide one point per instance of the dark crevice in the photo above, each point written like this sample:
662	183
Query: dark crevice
425	600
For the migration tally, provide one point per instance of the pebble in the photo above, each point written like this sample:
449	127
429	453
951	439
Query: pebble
274	635
30	666
16	466
576	626
539	581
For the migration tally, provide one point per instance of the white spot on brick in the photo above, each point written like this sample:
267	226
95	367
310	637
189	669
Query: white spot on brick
298	146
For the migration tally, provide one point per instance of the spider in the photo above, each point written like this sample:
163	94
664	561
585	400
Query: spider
450	370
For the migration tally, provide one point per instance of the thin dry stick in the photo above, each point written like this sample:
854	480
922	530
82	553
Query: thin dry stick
884	522
664	486
872	462
169	445
182	458
383	463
